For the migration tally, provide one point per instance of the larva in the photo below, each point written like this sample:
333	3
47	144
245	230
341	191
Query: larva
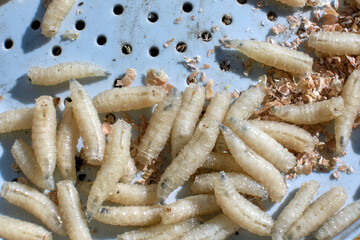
193	206
192	103
254	165
54	15
345	122
205	183
63	72
221	162
218	106
88	122
158	130
190	158
15	229
310	113
16	119
128	98
282	58
35	203
294	3
112	167
294	209
335	43
130	173
317	213
71	212
43	134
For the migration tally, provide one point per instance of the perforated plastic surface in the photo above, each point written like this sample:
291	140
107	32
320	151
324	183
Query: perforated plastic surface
19	27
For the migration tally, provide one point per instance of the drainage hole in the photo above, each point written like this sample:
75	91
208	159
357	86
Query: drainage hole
35	25
101	40
118	9
181	47
153	17
226	19
154	51
126	49
80	25
225	65
187	7
242	1
206	36
8	43
56	50
272	16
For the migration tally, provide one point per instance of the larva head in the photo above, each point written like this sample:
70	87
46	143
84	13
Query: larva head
336	106
157	93
234	43
31	73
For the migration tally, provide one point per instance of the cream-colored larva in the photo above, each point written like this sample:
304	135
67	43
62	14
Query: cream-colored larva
254	165
294	209
263	144
43	134
193	206
282	58
161	231
71	211
54	15
192	103
63	72
128	98
16	119
67	139
321	210
36	203
205	183
127	194
158	130
129	215
345	122
335	43
221	162
294	3
289	135
130	173
88	122
218	106
15	229
310	113
339	222
190	158
112	167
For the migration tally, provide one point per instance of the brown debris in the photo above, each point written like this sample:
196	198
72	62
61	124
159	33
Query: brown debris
22	180
53	197
279	28
158	79
128	79
210	51
167	43
208	89
106	127
205	66
177	20
192	77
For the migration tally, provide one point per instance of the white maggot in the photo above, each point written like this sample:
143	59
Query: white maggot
221	162
218	106
16	119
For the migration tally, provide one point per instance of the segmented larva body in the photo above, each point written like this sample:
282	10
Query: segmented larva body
63	72
71	212
88	122
193	100
205	183
317	213
218	106
35	203
345	122
282	58
294	209
43	134
190	158
128	98
130	173
221	162
15	229
193	206
16	119
310	113
294	3
339	222
335	43
158	130
54	15
288	135
254	165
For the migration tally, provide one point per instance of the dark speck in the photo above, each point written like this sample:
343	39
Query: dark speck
81	177
118	192
104	210
168	107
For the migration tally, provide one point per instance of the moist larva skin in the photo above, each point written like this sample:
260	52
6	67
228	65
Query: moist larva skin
34	202
130	173
112	167
288	135
321	210
294	209
43	134
190	158
254	165
282	58
335	43
345	122
221	162
339	222
15	229
128	98
205	183
16	119
193	206
63	72
310	113
54	15
25	158
88	122
159	128
218	106
71	212
193	100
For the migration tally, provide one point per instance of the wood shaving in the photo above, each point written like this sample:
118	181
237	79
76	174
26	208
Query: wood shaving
209	90
342	168
71	35
335	175
192	77
106	127
203	76
235	94
53	197
350	170
193	18
15	167
167	43
279	28
158	79
127	79
214	29
177	20
22	180
210	51
205	66
190	63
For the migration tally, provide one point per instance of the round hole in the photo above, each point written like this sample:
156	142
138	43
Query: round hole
35	25
181	47
8	43
126	49
226	19
154	51
67	99
101	40
187	7
56	50
272	16
115	84
225	65
80	25
118	9
206	36
153	17
241	1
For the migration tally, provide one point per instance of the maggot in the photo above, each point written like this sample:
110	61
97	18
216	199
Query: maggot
16	119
